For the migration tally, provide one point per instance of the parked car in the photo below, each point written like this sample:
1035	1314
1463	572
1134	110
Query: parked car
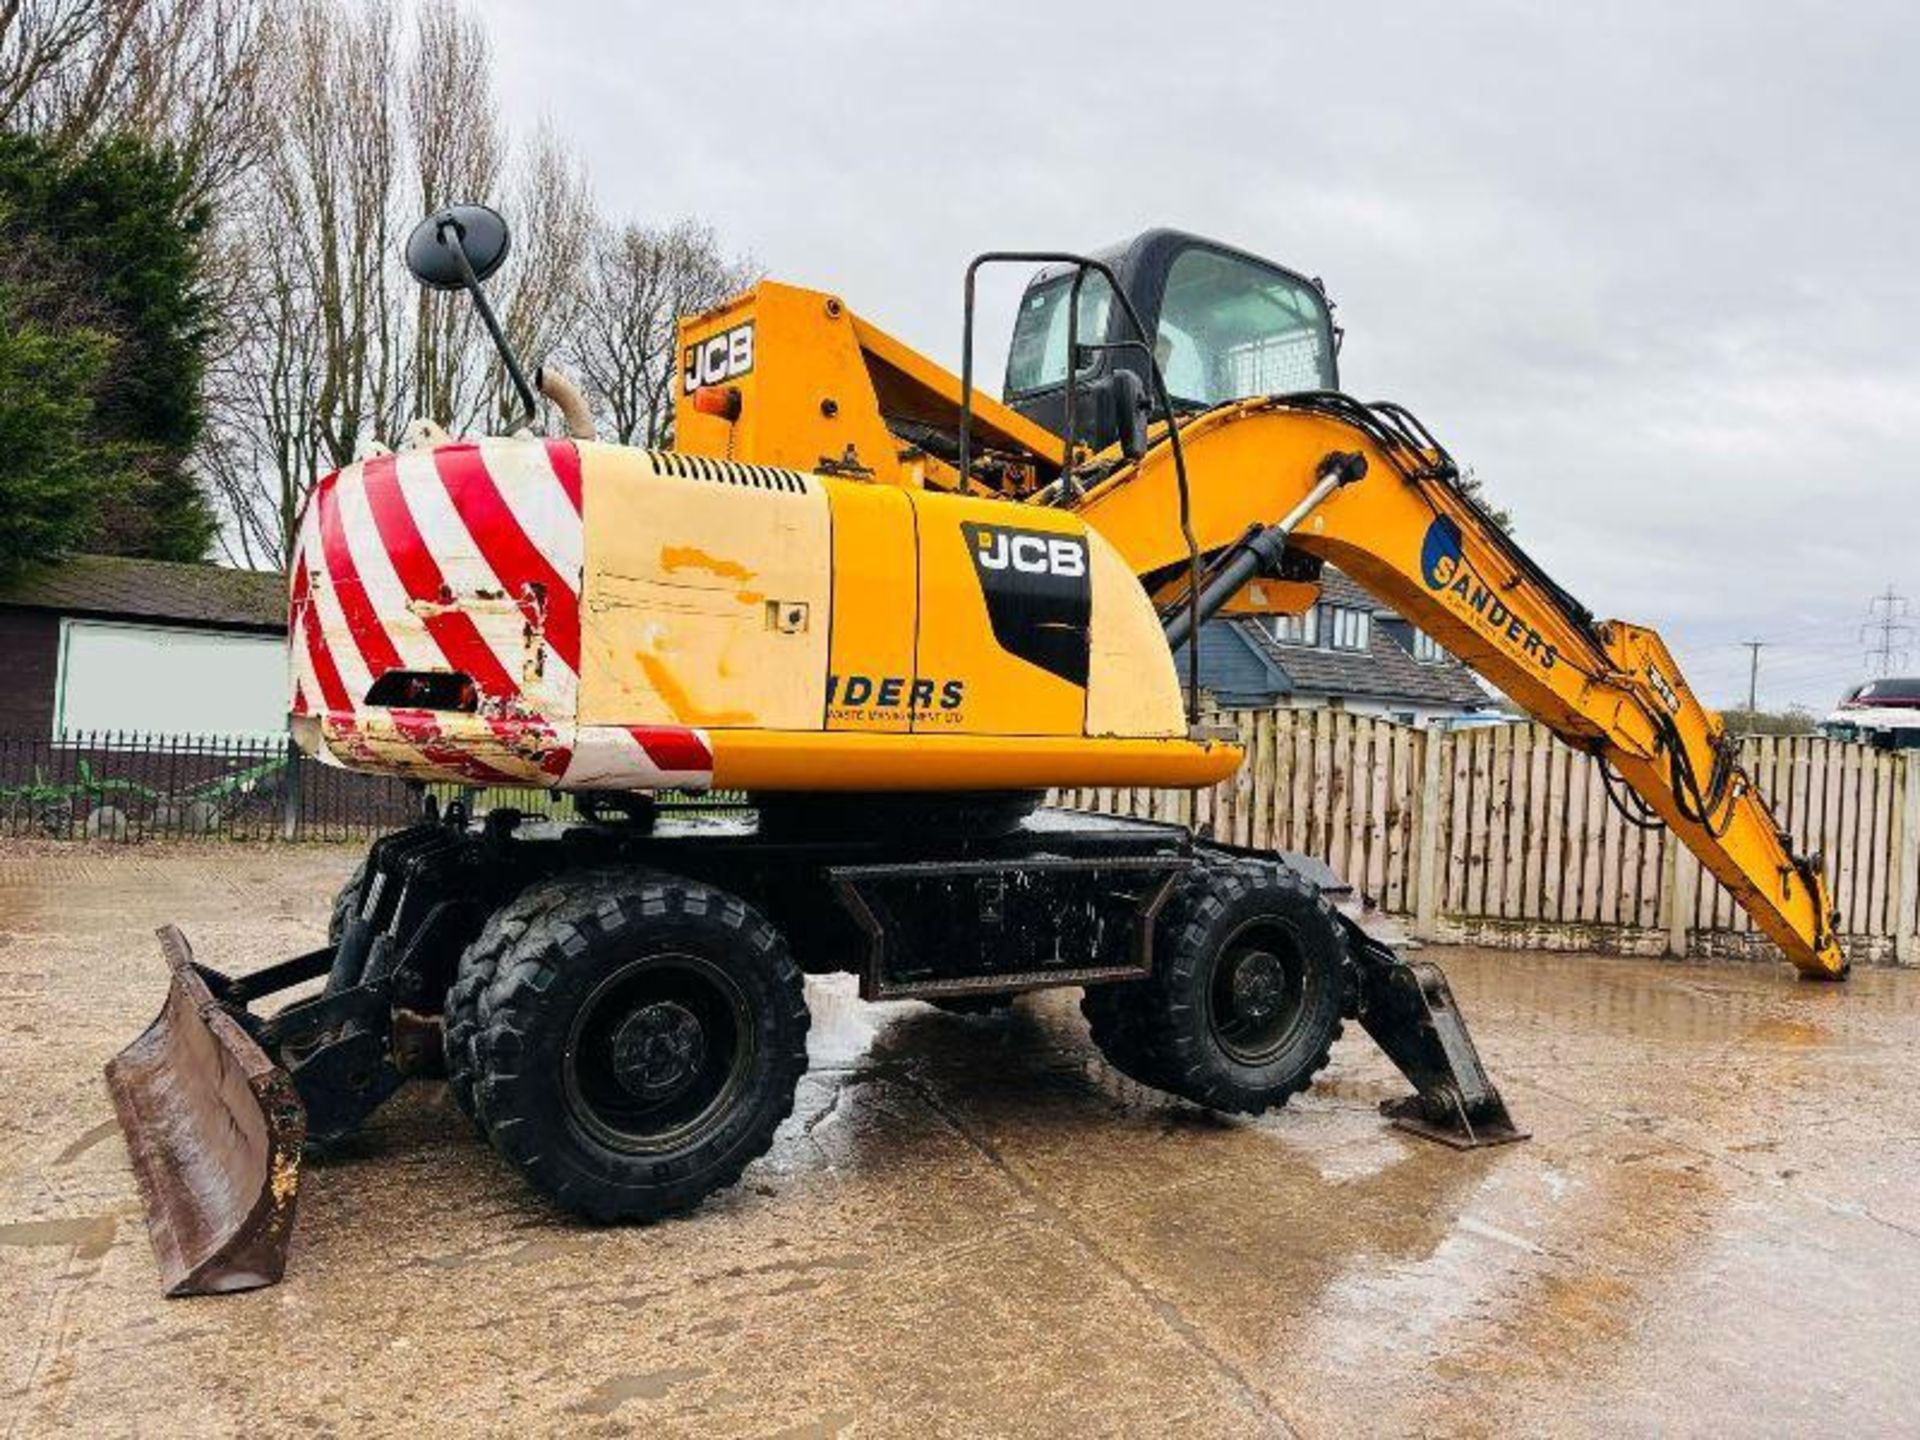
1884	712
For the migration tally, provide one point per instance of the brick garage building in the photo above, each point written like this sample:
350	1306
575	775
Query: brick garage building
94	643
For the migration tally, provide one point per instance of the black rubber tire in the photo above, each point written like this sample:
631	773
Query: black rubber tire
542	982
1172	1038
479	962
345	903
1113	1017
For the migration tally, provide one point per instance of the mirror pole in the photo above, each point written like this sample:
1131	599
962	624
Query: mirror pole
449	235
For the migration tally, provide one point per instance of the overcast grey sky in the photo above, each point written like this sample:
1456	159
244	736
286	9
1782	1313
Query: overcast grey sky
1648	268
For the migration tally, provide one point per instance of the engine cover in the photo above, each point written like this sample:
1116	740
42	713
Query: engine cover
594	617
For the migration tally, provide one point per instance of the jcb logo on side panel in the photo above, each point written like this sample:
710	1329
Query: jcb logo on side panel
1030	554
1039	593
719	358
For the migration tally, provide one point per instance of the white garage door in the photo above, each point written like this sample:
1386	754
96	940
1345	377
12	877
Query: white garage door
157	680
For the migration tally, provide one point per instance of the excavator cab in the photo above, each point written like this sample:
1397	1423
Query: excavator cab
1226	325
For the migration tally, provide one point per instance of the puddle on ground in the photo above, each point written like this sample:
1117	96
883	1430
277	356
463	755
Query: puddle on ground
552	1247
610	1394
86	1141
843	1026
90	1235
826	1427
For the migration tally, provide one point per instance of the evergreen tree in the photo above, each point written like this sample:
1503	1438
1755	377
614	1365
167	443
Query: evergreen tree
50	471
102	263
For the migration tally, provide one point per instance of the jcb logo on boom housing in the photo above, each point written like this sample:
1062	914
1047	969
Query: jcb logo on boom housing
1445	567
719	358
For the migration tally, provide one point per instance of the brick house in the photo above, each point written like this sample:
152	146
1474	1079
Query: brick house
96	643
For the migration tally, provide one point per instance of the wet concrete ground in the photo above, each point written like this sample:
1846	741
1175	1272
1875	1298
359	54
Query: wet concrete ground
972	1227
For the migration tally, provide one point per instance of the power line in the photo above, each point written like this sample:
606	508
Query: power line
1885	632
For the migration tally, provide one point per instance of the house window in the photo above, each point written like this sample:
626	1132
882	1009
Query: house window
164	680
1348	628
1426	649
1303	629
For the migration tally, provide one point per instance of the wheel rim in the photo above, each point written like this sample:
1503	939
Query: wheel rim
657	1053
1257	995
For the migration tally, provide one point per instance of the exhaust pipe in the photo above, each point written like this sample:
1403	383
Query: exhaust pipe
558	387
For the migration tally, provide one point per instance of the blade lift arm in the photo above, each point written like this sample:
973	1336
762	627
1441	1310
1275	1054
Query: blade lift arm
1368	489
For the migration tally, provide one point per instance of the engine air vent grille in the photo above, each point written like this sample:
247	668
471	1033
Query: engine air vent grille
728	472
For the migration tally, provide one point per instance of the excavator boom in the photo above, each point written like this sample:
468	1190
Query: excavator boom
1407	531
1411	536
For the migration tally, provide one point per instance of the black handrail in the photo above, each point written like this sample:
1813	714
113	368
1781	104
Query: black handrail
1082	264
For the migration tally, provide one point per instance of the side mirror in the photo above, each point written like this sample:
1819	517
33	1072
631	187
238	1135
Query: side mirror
1131	409
456	246
1113	409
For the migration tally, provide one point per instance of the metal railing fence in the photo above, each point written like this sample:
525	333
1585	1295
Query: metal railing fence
119	786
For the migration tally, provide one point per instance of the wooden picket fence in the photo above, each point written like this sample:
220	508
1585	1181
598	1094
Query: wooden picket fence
1503	836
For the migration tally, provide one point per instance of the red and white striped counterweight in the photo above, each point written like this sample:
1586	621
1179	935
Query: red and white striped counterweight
435	626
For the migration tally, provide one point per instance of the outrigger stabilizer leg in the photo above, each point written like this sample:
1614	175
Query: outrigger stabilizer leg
1408	1009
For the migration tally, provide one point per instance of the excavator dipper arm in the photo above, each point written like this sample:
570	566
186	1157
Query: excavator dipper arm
1408	533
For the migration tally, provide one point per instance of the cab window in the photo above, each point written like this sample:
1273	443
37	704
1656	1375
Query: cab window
1231	327
1037	358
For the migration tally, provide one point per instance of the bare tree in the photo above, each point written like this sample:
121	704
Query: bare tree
458	151
263	449
184	71
311	362
321	129
328	345
540	294
640	280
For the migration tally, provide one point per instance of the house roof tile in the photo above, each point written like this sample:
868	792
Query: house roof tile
1383	671
111	585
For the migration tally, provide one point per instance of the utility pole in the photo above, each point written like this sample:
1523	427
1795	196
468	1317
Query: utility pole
1754	648
1886	632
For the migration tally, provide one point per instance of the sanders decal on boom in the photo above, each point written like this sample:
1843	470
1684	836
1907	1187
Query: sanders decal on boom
1445	567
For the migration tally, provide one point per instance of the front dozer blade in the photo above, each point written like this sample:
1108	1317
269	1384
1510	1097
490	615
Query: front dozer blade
214	1129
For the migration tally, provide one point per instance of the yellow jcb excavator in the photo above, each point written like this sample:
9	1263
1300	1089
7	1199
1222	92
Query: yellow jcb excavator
892	612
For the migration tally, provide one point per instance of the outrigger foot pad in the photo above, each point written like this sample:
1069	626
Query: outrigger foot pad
214	1129
1408	1009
